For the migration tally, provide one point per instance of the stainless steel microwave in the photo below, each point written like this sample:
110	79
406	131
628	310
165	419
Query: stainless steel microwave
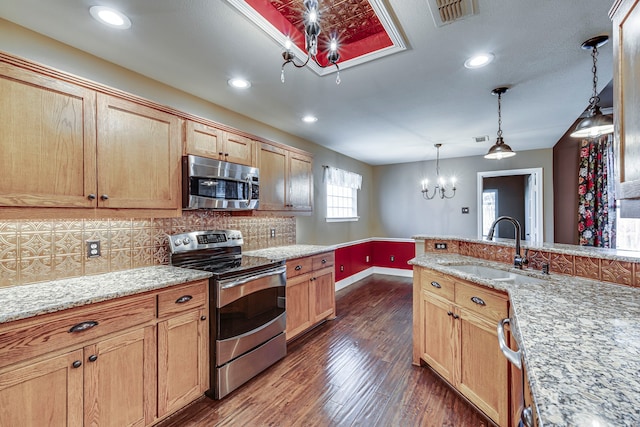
214	184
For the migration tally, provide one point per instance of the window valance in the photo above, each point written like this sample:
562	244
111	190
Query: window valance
342	178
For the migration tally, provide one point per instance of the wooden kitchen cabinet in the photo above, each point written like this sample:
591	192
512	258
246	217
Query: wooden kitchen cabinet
47	141
625	15
138	155
43	393
211	142
457	337
68	148
183	346
133	361
310	292
286	179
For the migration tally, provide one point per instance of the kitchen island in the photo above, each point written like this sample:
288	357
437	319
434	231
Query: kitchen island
580	342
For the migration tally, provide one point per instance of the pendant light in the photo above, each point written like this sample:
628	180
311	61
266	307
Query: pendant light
596	123
499	150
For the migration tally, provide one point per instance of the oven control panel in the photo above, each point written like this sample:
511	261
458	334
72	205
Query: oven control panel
195	240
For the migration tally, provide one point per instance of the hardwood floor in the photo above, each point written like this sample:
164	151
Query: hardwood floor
353	371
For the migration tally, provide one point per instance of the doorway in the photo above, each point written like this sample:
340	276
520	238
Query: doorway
518	193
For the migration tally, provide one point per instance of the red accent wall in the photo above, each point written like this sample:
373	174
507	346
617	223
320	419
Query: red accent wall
352	259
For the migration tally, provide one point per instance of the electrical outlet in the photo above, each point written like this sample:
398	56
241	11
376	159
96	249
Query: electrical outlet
441	246
93	248
393	258
366	259
273	232
341	268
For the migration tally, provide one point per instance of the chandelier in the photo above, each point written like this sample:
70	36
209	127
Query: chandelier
441	187
311	33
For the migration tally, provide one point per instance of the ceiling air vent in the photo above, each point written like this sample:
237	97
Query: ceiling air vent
447	11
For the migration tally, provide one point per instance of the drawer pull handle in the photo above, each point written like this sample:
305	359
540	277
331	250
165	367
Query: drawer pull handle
183	299
436	285
76	364
449	313
298	267
324	261
478	300
93	358
104	197
91	196
455	316
83	326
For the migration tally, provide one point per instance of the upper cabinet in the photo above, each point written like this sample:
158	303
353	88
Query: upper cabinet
208	141
286	179
138	156
626	84
66	146
47	141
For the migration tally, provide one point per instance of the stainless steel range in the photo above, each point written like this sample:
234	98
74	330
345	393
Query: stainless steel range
247	305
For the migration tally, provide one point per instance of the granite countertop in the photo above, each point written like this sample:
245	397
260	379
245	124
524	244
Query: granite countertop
559	248
278	253
20	302
580	341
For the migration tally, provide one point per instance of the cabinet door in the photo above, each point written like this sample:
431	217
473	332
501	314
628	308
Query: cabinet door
484	369
47	393
47	141
202	140
182	360
300	195
439	335
138	156
273	176
299	317
323	292
238	149
119	380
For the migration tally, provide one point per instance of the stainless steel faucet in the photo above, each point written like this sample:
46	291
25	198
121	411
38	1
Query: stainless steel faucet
519	260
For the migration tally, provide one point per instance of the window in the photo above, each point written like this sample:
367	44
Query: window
342	194
489	209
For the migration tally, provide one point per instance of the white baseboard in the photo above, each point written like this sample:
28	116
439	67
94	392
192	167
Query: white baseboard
348	281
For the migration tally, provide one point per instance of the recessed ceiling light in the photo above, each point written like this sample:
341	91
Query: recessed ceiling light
239	83
110	17
479	61
309	119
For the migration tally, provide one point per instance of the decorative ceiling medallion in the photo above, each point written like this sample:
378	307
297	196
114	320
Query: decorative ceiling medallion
364	27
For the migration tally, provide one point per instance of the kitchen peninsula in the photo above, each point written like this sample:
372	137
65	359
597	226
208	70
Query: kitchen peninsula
578	337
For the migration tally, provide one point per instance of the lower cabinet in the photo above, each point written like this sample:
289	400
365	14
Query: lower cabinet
458	339
116	363
310	292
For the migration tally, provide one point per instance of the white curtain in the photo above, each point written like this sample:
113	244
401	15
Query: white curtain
342	178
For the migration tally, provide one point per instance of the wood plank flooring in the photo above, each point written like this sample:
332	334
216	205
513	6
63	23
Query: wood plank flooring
353	371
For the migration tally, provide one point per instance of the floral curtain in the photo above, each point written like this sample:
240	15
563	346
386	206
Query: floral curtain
596	201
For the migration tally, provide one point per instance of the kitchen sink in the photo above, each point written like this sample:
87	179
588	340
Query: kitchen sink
495	274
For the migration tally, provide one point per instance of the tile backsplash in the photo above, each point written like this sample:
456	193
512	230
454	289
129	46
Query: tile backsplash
36	251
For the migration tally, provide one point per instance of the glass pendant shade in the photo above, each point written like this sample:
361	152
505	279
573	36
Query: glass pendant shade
595	125
499	150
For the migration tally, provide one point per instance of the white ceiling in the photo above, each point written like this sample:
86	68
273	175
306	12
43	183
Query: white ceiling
391	110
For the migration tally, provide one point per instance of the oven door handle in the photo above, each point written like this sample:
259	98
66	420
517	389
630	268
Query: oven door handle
231	283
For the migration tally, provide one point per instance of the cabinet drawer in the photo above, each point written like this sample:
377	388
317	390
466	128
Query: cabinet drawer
437	284
23	339
490	304
322	260
182	298
298	266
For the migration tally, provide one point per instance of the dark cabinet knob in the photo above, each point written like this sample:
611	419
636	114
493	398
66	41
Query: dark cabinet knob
455	316
226	154
298	267
104	197
449	313
324	261
76	364
203	317
91	196
93	358
220	153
